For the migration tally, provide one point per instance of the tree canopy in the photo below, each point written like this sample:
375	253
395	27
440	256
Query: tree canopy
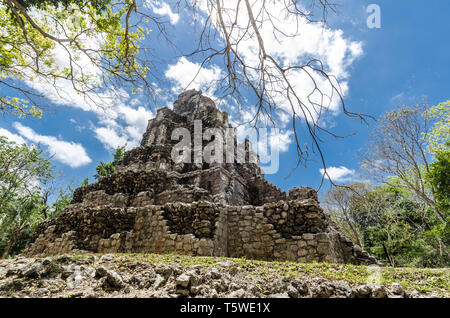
404	220
24	171
107	168
54	41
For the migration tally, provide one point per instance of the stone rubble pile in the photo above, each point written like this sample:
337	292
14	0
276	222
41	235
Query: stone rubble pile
123	276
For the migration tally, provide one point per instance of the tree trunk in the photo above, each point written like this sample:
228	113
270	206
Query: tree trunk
389	258
355	232
14	236
442	247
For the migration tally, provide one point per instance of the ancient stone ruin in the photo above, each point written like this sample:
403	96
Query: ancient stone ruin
151	204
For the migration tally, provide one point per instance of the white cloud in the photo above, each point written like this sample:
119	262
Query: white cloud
12	137
281	140
266	142
121	120
340	174
162	8
62	91
69	153
115	111
188	75
110	137
121	126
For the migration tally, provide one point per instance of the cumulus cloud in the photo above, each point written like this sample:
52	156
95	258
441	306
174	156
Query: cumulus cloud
122	121
62	91
281	139
331	46
164	9
340	174
118	112
69	153
110	137
12	137
122	125
266	142
188	75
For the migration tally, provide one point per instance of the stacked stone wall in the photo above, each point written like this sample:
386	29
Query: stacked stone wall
201	228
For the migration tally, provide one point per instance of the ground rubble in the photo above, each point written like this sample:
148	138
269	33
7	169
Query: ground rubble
109	275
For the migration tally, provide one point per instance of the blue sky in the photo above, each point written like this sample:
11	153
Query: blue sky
406	61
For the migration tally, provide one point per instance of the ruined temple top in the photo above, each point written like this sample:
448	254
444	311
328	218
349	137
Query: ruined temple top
193	101
183	105
190	106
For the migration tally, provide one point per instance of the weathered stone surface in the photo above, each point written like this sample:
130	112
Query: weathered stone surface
183	280
130	277
151	204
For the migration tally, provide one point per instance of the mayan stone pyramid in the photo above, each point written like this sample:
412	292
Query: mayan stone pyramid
153	204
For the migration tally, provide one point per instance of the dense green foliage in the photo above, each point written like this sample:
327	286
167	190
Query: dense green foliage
23	173
22	169
439	177
392	225
398	229
106	169
17	223
100	42
439	137
98	4
404	221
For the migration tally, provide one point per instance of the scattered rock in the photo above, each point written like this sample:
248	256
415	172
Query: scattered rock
301	286
32	271
159	281
12	285
220	286
111	277
363	291
101	271
75	280
13	272
114	279
292	291
53	278
195	290
237	294
342	289
233	270
379	292
226	264
182	292
183	280
279	295
215	274
107	258
397	289
164	270
321	290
